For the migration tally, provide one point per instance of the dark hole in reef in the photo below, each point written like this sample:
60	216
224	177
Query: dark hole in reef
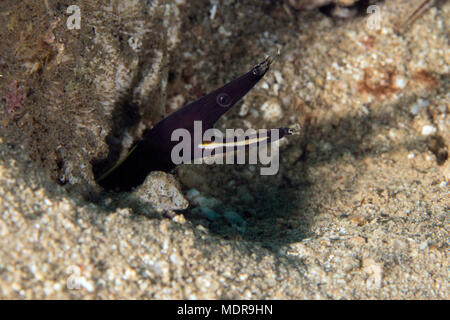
143	157
360	7
126	115
437	145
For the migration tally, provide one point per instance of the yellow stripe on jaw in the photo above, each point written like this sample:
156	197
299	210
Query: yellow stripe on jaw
105	175
246	142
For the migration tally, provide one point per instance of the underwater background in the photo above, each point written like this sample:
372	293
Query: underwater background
359	208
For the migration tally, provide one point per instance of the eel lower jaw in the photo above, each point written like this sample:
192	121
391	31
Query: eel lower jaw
261	68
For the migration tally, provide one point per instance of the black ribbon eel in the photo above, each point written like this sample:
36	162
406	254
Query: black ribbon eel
153	151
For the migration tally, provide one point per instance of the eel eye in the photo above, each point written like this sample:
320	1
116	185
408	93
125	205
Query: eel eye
223	100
